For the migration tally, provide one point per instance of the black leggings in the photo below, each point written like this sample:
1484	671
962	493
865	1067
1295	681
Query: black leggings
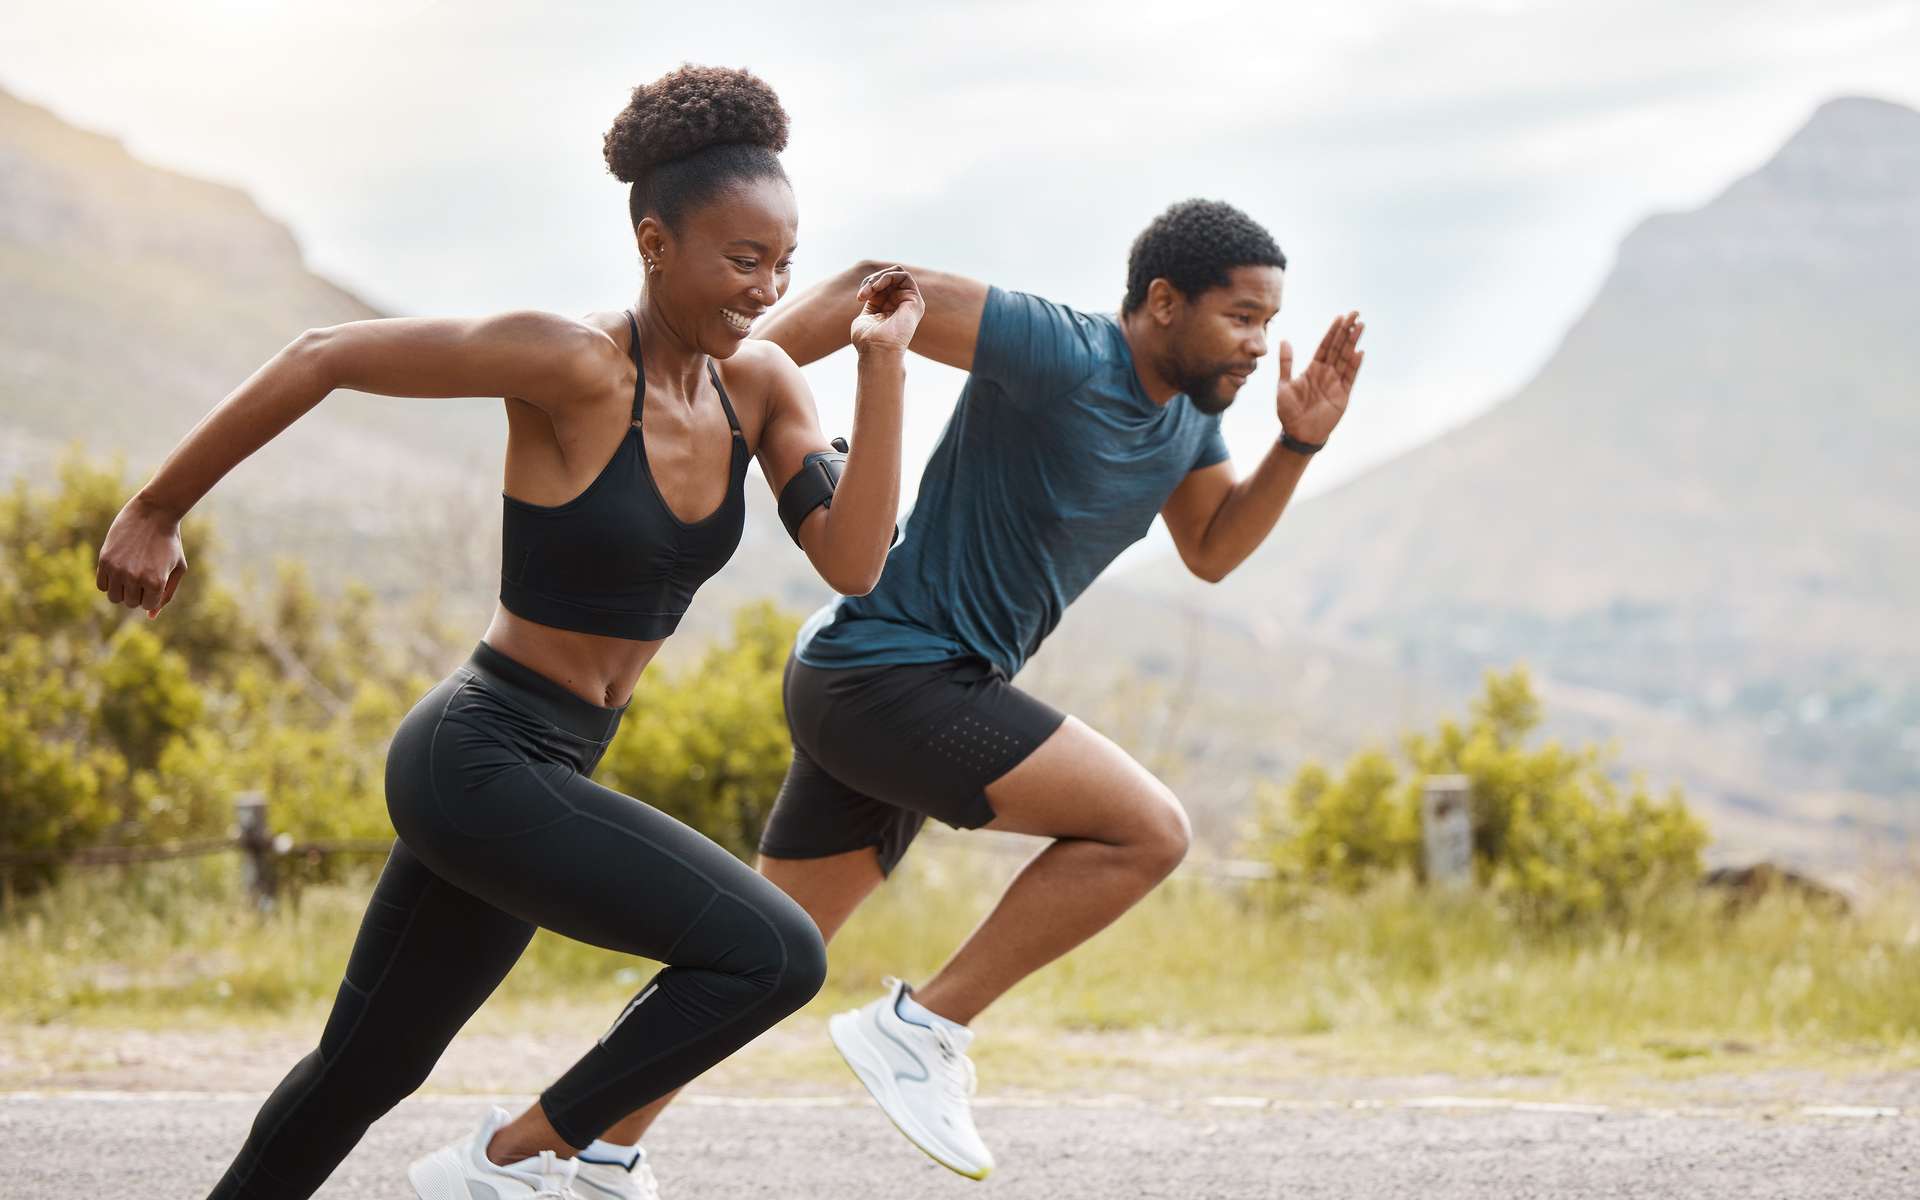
501	831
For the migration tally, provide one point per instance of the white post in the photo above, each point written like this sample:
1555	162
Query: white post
256	847
1446	826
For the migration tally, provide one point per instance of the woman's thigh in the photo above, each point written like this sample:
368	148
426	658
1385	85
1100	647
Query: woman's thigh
499	804
604	868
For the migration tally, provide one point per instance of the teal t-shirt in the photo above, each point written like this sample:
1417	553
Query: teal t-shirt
1053	462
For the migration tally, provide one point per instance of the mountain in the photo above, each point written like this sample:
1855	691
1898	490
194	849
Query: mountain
136	298
1698	520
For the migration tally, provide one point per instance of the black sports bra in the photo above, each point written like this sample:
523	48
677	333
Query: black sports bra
614	560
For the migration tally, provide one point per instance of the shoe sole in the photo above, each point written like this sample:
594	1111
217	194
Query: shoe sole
869	1067
433	1178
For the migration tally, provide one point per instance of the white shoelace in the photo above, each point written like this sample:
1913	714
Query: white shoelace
961	1082
560	1189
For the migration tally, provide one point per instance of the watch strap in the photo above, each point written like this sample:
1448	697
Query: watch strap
1297	446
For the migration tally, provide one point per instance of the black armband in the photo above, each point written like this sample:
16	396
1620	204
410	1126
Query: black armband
813	487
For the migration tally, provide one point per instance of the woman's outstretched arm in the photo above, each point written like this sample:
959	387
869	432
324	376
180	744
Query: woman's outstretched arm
543	359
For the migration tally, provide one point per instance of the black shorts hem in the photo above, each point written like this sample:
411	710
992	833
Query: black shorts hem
889	850
807	853
878	751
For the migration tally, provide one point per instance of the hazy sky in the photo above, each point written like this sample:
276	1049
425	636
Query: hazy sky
1461	172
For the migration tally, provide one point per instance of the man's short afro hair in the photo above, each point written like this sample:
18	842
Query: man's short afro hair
1193	246
690	133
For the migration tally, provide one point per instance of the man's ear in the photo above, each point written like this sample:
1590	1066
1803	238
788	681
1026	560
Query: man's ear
1163	302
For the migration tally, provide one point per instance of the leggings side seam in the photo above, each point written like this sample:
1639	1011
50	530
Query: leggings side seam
691	926
433	746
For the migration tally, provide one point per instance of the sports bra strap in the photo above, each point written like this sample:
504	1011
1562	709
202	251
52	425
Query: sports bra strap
714	373
640	380
639	372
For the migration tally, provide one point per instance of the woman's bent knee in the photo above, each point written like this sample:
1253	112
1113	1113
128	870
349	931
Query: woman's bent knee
803	955
765	942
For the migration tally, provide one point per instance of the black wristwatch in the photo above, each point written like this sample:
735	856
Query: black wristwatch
1297	446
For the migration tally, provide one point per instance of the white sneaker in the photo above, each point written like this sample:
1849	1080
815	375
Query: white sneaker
462	1171
919	1075
610	1181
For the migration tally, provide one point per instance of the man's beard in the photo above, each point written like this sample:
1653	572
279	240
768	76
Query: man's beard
1206	391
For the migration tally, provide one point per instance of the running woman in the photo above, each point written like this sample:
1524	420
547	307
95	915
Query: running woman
628	438
1072	431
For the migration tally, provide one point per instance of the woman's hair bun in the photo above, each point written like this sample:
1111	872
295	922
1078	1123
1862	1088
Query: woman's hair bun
686	111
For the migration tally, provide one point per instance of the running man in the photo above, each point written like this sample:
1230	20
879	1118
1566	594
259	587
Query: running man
1072	431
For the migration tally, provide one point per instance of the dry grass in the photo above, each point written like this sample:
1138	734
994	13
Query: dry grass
1394	976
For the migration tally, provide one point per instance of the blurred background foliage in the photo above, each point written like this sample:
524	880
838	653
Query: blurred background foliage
1556	840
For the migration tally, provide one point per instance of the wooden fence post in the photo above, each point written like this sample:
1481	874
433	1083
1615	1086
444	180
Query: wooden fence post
1446	828
256	848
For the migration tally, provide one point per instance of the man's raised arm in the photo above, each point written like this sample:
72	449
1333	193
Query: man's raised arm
815	323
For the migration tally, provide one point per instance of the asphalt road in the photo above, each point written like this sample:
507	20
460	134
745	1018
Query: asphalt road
174	1144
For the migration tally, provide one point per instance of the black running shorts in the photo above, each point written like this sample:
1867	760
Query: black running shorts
878	750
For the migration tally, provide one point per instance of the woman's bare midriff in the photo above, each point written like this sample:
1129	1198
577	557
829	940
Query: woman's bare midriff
600	670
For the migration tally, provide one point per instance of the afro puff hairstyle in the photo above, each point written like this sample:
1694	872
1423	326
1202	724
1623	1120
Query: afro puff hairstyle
1193	245
691	133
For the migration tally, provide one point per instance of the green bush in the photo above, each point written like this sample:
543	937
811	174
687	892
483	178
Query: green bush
1555	838
708	745
61	791
88	699
116	729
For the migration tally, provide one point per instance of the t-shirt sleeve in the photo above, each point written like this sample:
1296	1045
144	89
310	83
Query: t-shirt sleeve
1033	348
1213	448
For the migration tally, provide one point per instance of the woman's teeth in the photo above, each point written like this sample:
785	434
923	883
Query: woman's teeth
741	322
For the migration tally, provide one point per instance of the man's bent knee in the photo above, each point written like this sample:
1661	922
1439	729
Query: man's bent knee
1165	837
